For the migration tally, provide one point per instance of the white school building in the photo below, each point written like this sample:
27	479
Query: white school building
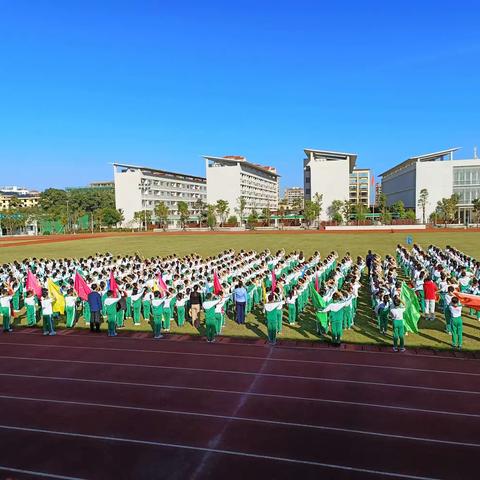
138	189
232	177
441	175
328	173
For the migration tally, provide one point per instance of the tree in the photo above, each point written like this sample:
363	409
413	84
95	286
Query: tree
447	209
267	216
201	208
399	209
184	213
360	211
347	210
111	216
143	218
222	210
52	198
309	212
334	211
161	214
232	220
423	202
282	214
411	215
297	205
476	209
242	205
252	219
318	201
211	216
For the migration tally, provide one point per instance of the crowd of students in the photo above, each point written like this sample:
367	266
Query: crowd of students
438	277
157	291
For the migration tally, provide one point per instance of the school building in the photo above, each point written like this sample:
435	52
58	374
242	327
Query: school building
360	186
293	195
441	175
140	189
233	177
328	173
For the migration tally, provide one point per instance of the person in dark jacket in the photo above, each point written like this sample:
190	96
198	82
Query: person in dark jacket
195	305
95	303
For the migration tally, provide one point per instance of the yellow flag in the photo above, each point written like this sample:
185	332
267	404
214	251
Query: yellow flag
264	292
59	300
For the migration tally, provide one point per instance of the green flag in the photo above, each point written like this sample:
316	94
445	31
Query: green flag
412	308
319	304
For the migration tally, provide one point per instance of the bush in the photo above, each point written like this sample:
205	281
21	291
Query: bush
232	220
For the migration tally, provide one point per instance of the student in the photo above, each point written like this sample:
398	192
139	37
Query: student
457	323
210	323
430	295
95	303
136	299
195	304
240	298
292	307
111	311
31	309
446	309
147	304
272	307
383	310
70	308
5	307
396	314
121	309
47	314
157	310
335	317
419	289
168	304
180	307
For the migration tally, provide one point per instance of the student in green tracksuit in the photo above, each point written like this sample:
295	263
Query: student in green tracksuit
87	314
271	311
180	307
111	311
157	310
383	311
457	323
168	304
335	317
396	314
210	321
31	309
70	308
47	314
292	307
16	296
5	308
137	305
147	305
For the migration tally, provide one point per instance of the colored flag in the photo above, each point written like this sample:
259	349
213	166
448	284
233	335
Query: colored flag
319	304
81	287
217	287
161	284
412	308
33	285
274	281
317	286
59	299
113	285
373	181
469	300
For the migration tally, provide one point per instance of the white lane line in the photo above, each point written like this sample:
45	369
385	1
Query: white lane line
34	473
247	357
252	394
239	372
278	347
234	453
234	417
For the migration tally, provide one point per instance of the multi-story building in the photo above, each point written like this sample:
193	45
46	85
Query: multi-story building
140	189
440	175
360	186
233	177
328	173
294	195
18	196
378	192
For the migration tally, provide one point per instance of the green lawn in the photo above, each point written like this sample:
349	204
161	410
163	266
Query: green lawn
365	332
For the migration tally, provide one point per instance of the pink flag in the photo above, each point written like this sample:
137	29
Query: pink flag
161	284
317	287
33	285
113	285
81	287
217	287
274	281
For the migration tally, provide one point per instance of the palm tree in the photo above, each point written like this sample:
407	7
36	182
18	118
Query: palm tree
423	202
476	209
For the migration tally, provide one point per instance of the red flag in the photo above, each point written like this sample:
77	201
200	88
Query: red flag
317	287
217	287
161	284
468	300
274	281
81	287
373	181
113	285
33	285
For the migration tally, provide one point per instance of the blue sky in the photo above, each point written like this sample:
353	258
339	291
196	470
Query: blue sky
160	83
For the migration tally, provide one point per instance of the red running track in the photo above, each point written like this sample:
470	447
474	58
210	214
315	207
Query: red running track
83	406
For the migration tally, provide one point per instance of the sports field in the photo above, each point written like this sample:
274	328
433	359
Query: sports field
364	332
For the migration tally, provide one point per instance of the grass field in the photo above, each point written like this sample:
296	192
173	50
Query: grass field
431	334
